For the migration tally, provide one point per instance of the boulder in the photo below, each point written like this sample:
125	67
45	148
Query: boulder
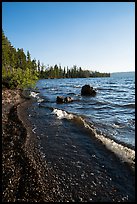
88	90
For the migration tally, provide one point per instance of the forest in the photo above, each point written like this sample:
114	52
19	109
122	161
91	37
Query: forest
20	71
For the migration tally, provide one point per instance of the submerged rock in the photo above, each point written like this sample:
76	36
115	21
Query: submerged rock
88	90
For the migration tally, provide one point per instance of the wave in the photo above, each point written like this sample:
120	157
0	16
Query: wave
35	95
113	89
77	86
71	93
125	153
62	114
129	105
111	104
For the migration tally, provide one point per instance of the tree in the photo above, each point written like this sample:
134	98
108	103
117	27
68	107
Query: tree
42	73
64	72
5	53
56	71
38	66
29	63
34	65
28	57
17	69
21	59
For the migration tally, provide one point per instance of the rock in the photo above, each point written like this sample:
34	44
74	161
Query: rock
68	99
25	94
61	99
88	90
93	92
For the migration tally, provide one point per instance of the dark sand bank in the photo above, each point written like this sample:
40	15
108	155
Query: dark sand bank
26	177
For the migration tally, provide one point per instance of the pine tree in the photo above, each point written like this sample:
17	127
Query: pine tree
21	59
17	71
38	66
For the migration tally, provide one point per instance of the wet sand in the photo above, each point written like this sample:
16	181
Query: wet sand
27	177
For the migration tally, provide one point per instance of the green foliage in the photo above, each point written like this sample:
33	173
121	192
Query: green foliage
23	78
17	69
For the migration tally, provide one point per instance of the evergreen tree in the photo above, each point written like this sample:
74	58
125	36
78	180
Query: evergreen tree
34	65
17	71
29	64
64	73
21	59
56	71
38	66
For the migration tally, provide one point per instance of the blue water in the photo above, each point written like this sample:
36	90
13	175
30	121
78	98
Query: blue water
111	111
86	141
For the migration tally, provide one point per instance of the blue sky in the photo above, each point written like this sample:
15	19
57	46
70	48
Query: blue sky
94	35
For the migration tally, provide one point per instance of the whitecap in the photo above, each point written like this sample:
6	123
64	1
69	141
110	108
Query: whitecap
117	126
123	152
33	94
62	114
40	100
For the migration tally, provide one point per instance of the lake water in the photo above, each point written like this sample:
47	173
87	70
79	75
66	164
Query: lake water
109	116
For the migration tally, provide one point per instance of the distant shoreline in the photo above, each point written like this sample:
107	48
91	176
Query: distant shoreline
122	72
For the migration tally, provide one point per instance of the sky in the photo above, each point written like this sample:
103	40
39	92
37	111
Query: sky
98	36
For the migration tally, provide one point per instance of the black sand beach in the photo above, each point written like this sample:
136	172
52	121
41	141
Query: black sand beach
27	177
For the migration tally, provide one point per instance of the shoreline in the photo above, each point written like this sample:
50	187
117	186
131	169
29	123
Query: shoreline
25	176
23	170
